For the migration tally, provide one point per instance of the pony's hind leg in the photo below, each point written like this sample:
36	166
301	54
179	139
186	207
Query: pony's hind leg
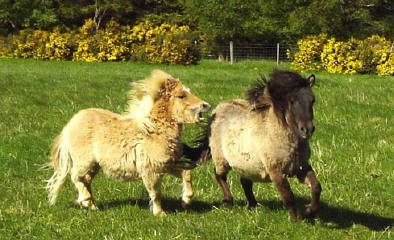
308	177
88	181
247	186
221	178
82	183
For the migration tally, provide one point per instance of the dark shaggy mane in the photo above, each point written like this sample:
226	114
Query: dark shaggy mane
275	91
283	82
255	95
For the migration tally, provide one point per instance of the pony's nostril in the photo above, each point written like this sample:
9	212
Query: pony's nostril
313	129
206	106
303	129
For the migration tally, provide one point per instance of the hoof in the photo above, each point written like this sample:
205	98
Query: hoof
293	215
294	218
160	214
87	204
186	201
94	207
185	204
311	211
227	203
252	205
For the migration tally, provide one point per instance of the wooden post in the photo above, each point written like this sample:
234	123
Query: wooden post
231	52
277	54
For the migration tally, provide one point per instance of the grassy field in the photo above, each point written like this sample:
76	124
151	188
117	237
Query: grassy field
352	153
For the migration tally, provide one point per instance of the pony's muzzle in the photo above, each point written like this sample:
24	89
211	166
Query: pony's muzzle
202	108
306	130
205	107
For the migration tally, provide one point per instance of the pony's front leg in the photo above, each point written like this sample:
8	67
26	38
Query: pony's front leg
152	183
308	177
187	193
287	196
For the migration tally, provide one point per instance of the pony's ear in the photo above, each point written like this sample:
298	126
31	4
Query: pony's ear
311	79
170	84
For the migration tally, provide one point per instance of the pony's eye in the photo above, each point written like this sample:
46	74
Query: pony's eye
181	96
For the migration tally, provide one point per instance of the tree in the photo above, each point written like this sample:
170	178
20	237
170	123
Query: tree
220	20
15	15
342	18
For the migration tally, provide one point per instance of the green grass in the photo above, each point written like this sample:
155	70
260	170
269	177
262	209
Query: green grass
352	153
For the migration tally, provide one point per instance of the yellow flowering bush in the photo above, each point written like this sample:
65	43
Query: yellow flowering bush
373	51
308	55
39	44
387	66
373	54
4	47
87	43
25	43
166	44
114	43
111	44
59	46
340	57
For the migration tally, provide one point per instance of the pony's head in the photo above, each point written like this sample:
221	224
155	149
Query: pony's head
291	97
167	97
184	106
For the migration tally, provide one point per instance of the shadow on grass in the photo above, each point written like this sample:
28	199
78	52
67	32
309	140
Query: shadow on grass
331	216
168	204
338	217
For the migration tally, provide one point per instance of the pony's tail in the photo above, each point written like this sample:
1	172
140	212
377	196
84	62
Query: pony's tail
61	163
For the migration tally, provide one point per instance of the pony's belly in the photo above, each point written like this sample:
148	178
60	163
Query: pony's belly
254	174
248	166
122	171
240	151
121	167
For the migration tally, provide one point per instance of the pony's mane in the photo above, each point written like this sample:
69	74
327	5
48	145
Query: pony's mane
142	97
255	95
275	91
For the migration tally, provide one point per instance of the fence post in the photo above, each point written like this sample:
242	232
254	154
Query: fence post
277	54
231	52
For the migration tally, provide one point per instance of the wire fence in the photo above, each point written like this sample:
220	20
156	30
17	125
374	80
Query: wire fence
237	52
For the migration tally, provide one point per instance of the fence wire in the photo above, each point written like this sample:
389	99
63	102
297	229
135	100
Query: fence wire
248	52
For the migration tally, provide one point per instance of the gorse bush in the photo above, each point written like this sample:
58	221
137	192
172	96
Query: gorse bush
386	68
341	57
59	46
111	44
308	55
371	55
39	44
374	52
145	42
168	44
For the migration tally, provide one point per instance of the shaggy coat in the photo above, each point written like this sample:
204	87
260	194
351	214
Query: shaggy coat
143	143
265	138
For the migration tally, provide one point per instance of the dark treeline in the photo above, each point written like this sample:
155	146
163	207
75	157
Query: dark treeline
253	21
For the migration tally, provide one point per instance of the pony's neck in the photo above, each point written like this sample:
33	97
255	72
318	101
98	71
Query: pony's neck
283	123
163	122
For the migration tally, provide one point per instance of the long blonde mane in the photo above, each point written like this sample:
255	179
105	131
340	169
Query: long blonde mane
142	97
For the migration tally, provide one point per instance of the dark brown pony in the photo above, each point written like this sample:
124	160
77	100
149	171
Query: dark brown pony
265	138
